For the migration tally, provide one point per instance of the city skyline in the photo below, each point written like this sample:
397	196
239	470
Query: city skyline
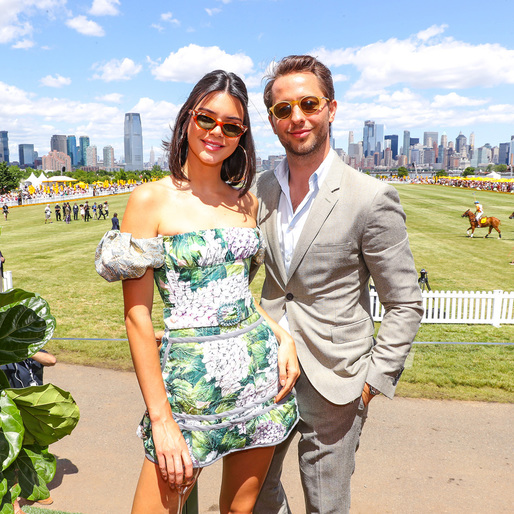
404	66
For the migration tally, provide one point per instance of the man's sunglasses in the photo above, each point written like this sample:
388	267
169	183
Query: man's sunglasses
308	105
207	123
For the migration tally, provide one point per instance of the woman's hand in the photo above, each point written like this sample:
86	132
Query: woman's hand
173	459
288	367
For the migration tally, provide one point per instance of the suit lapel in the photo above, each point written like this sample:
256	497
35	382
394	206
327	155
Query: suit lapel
269	197
323	204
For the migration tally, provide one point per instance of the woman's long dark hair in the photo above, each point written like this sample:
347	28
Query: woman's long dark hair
237	169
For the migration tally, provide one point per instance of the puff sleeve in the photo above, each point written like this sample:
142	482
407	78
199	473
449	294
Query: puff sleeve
119	256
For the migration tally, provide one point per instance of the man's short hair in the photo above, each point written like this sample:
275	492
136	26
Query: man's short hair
299	64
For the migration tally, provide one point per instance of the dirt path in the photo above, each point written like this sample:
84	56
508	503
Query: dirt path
422	456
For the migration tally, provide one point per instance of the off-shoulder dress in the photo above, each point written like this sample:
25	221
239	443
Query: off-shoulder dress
218	355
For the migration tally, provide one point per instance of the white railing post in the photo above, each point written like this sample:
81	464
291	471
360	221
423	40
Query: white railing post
497	307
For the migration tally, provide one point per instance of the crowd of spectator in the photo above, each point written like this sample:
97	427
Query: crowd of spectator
42	195
481	184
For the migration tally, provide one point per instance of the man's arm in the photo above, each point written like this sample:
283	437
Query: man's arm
389	259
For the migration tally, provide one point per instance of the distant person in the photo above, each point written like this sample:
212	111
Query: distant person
67	212
87	215
57	212
48	214
5	208
479	212
106	208
82	212
94	207
115	222
75	212
2	260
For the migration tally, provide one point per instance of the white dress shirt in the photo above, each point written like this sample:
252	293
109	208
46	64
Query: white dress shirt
290	223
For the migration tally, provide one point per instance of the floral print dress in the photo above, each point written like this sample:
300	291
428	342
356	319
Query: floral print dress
218	355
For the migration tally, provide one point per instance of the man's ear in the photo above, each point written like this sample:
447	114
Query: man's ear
332	108
270	118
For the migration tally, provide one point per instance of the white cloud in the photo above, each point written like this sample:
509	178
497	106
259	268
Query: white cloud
423	64
455	100
434	30
84	26
57	81
213	11
105	8
190	63
339	77
156	26
24	44
117	69
114	98
168	18
15	15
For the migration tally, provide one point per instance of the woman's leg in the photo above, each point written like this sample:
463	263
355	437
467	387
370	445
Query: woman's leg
153	494
243	475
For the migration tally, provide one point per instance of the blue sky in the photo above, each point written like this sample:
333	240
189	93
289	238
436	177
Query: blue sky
75	67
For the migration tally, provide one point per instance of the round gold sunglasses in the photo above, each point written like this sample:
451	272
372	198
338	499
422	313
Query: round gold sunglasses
308	104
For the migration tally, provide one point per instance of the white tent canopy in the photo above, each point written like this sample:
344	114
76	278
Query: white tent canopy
35	181
59	178
493	174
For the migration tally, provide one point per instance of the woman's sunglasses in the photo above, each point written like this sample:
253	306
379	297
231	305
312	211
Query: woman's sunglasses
308	105
207	123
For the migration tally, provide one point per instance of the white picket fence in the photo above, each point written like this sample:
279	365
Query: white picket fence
474	307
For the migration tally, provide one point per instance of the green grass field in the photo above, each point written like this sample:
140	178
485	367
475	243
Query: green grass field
56	261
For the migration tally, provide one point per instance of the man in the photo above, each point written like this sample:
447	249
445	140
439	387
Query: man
479	212
328	228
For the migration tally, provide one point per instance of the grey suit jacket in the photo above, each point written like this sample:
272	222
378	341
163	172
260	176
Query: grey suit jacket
356	228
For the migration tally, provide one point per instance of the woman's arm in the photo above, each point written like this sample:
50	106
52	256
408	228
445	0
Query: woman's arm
170	447
288	367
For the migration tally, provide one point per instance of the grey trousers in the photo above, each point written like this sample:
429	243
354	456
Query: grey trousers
326	452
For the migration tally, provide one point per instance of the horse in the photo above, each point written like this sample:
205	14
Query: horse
485	221
511	216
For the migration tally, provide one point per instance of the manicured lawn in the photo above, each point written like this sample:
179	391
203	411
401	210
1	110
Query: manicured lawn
57	261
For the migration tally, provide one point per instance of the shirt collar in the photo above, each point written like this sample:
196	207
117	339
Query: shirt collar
319	175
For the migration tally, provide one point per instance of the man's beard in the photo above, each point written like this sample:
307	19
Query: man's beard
307	148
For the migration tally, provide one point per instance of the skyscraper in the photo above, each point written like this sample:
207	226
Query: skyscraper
26	155
4	146
444	140
108	158
406	143
434	136
460	144
59	143
394	144
71	149
133	142
83	145
91	156
372	138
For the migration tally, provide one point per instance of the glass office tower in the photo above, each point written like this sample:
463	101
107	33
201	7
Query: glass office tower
133	142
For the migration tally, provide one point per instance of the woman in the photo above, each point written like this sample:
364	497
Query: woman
217	390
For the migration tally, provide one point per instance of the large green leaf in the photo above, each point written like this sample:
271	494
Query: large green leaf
48	413
4	383
26	325
36	467
11	430
8	493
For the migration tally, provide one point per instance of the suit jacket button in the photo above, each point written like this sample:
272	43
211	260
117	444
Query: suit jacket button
289	296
